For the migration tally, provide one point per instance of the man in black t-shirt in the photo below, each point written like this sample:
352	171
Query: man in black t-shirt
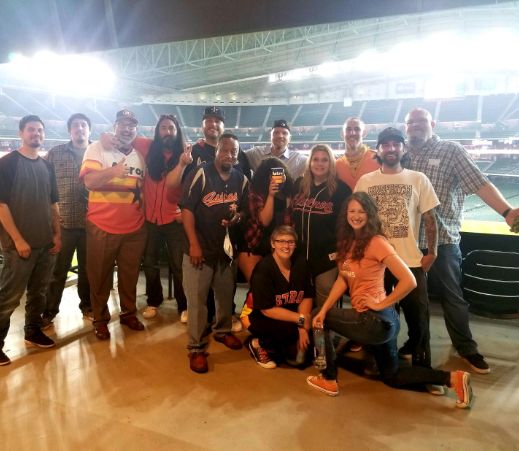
204	151
213	196
29	232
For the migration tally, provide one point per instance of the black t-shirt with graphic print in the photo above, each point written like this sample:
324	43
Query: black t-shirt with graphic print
270	288
209	198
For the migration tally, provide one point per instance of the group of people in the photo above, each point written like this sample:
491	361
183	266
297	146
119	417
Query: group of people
290	223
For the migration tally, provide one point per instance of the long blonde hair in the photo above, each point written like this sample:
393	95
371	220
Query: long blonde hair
308	178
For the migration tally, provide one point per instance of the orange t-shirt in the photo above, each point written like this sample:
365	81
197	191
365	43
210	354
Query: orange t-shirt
366	277
115	207
367	165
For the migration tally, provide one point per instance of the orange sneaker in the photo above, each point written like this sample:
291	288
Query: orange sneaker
463	389
330	387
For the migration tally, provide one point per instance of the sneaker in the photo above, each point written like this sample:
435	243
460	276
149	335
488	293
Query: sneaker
477	363
330	387
38	338
436	390
463	389
4	360
198	362
88	314
405	352
183	317
46	322
236	324
261	356
149	312
371	367
229	340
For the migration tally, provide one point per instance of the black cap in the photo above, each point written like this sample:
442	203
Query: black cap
390	134
126	114
214	111
281	123
29	118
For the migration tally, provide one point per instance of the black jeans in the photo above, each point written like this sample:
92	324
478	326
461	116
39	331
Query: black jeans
72	240
416	313
273	334
173	235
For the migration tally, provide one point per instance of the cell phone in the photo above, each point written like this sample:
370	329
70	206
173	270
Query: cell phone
277	175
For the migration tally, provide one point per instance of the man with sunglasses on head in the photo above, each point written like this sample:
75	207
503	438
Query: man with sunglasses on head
166	157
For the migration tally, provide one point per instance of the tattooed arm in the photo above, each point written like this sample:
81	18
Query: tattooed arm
431	235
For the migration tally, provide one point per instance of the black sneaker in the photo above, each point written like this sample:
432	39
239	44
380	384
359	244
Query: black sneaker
38	338
4	360
477	362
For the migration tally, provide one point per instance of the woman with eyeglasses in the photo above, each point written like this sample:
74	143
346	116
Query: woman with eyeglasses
363	255
280	300
316	206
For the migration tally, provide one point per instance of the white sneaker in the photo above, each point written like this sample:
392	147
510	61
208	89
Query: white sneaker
183	317
150	312
436	390
236	325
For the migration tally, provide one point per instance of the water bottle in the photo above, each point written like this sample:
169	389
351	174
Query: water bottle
319	348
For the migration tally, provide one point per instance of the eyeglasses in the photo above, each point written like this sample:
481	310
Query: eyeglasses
285	242
168	116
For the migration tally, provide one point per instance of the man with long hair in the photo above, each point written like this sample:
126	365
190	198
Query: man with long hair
166	158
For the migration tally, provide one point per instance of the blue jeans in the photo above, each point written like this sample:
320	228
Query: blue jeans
323	284
445	273
221	278
174	237
71	240
379	329
20	274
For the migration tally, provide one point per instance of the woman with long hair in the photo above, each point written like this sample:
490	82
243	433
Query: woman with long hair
269	206
317	202
280	302
363	255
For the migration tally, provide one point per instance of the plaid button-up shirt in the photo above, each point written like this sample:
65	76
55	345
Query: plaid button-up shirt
453	175
73	195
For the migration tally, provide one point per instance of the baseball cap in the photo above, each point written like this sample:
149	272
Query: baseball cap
126	114
281	123
390	134
214	111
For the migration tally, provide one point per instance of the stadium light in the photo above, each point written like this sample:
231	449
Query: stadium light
78	75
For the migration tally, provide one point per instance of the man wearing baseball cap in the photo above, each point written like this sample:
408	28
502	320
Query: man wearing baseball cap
204	151
280	139
404	198
115	223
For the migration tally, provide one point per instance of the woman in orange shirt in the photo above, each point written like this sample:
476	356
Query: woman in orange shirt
363	255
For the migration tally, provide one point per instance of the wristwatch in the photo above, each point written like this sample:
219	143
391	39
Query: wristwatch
301	321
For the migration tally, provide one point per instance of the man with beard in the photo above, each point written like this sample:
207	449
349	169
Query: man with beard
67	159
204	151
29	232
166	159
404	198
453	175
115	223
213	196
280	137
358	158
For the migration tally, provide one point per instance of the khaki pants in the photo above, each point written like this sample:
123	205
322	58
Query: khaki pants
104	250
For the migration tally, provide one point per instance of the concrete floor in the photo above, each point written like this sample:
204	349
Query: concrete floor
137	392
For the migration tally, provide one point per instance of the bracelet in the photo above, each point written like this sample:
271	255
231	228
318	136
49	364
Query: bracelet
505	213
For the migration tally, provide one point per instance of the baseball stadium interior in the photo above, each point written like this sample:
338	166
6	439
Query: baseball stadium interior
313	64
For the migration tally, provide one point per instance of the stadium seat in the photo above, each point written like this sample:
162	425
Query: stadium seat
491	283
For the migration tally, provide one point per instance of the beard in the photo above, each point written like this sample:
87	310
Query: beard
226	167
416	141
168	142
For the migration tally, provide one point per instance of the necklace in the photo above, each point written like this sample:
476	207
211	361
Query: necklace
354	161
